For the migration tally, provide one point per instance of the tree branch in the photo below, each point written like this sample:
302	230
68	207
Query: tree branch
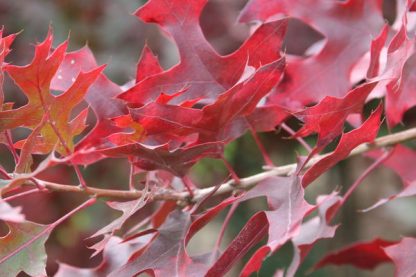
229	186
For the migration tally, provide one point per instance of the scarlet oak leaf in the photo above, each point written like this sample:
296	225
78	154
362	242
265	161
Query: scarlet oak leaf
347	26
201	70
34	80
365	255
327	118
366	133
401	161
403	256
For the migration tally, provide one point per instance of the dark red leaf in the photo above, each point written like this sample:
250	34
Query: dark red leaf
202	71
365	255
148	65
251	234
347	26
327	118
366	133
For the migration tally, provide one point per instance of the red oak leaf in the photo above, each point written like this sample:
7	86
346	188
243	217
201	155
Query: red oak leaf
287	209
375	51
327	118
34	80
128	209
202	71
148	65
31	258
5	43
23	248
397	80
365	255
251	234
368	255
303	236
220	121
166	254
347	26
177	161
366	133
313	230
100	96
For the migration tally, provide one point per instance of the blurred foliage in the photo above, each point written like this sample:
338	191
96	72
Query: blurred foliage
116	38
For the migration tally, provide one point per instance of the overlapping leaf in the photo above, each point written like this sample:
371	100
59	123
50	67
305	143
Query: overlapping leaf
215	122
347	26
366	133
313	230
115	255
397	78
100	95
365	255
201	71
34	80
368	255
327	118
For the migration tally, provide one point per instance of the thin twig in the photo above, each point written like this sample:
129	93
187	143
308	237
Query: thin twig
224	226
229	186
261	147
299	139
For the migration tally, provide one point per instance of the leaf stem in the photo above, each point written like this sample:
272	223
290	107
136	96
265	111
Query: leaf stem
261	147
299	139
230	213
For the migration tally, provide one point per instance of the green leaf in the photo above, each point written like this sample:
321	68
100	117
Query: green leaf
22	249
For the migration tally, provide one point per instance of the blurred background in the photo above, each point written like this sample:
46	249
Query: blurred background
117	38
